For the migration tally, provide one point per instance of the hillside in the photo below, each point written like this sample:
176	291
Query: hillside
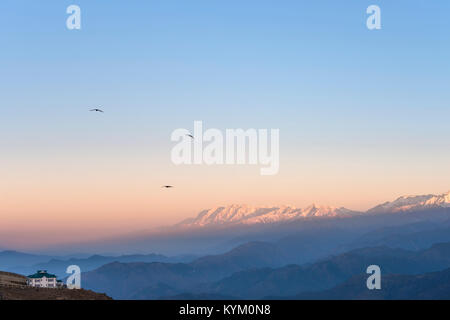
414	203
206	275
12	279
429	286
152	280
22	293
328	273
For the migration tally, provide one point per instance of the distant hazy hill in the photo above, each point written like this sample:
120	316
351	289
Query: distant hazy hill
330	272
11	259
249	255
429	286
414	203
413	236
125	280
59	266
150	281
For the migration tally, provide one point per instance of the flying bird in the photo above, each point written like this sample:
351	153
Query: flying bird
167	187
96	110
190	135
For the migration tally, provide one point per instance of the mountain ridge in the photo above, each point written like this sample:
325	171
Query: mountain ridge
236	214
413	203
427	286
247	278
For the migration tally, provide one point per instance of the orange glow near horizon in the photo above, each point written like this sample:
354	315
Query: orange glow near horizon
79	200
362	115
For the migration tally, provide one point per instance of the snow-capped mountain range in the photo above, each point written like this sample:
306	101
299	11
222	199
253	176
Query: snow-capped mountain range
248	215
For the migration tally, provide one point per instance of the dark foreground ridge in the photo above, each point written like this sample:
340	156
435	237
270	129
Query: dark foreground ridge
29	293
14	286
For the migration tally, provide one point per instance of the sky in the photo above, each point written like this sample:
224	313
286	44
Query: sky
362	114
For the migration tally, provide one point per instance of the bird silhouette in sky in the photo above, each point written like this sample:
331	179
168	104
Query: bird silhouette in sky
96	110
190	135
167	187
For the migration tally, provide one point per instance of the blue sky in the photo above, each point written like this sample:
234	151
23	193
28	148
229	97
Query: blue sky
266	62
367	110
233	63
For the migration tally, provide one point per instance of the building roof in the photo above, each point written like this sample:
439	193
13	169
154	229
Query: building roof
41	274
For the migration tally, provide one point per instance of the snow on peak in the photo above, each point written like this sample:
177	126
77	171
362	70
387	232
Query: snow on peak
248	215
414	203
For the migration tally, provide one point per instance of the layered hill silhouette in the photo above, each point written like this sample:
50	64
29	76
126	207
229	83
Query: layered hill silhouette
156	280
328	273
151	280
428	286
14	287
24	263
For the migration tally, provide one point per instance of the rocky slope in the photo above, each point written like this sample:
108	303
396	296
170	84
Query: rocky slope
22	293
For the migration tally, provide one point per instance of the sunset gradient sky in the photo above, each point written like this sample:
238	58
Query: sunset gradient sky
363	115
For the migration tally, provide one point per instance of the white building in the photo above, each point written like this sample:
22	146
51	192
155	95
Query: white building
42	279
